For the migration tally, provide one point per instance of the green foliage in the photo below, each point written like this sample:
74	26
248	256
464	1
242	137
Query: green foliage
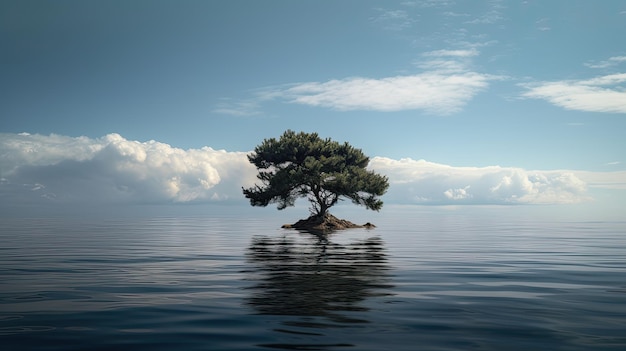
322	170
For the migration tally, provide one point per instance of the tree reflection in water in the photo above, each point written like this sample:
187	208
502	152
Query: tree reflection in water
311	276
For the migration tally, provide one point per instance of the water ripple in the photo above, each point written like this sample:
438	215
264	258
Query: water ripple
450	283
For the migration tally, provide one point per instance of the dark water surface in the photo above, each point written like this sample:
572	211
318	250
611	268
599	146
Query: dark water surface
241	284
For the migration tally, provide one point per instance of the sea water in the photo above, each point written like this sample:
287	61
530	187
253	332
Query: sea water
416	282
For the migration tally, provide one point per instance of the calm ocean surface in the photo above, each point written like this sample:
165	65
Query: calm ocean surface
419	282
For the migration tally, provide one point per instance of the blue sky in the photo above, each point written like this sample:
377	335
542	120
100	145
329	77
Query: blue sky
459	102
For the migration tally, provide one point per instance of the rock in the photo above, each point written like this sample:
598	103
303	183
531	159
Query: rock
325	224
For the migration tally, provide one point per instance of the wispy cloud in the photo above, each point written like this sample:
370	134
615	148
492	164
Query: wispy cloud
456	14
242	108
423	182
434	92
543	24
393	19
429	3
453	53
600	94
492	16
611	62
445	86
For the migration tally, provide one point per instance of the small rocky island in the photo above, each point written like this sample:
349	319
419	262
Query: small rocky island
303	165
325	224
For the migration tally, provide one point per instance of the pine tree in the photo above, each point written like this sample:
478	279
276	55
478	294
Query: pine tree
321	170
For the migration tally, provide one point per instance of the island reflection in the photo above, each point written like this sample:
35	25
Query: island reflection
301	274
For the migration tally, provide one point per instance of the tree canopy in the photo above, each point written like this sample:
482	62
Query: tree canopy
322	170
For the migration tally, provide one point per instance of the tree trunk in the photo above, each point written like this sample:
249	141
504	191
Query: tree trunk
321	201
323	210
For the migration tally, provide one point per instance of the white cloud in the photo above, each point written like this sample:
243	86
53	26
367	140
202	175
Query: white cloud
238	108
429	3
114	169
612	61
435	92
601	94
422	182
445	87
458	194
453	53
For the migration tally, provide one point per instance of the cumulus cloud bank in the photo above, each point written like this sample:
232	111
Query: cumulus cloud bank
111	168
422	182
58	169
601	94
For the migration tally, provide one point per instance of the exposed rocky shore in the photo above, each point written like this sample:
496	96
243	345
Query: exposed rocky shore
324	224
